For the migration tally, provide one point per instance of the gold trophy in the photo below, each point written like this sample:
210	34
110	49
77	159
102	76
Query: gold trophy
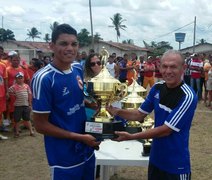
135	87
147	124
105	89
133	101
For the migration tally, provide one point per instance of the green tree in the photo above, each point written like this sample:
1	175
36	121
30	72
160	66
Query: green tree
84	38
97	37
6	35
201	41
117	21
159	48
47	37
128	41
33	33
54	25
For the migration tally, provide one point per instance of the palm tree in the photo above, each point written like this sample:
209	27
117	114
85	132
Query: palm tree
117	21
83	38
47	37
33	33
54	25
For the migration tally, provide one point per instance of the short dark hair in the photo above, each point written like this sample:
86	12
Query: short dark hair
63	29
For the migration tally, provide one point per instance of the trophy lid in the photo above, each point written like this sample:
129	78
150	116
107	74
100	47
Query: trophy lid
104	77
133	98
136	87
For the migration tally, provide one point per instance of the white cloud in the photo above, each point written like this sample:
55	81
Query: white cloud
145	20
13	10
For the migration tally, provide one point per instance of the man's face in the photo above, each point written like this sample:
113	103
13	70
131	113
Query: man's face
126	57
172	69
15	61
65	49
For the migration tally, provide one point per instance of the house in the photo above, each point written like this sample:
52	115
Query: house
199	48
27	49
119	48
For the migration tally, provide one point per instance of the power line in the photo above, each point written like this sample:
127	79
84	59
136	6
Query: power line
175	30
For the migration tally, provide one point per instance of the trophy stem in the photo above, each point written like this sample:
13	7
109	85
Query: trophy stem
103	115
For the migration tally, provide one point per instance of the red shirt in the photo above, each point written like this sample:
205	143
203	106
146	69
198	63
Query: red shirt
149	69
13	71
157	68
3	76
196	66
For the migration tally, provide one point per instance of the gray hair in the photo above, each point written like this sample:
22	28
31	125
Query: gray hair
173	52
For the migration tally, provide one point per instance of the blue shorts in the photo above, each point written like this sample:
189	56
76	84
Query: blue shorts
82	171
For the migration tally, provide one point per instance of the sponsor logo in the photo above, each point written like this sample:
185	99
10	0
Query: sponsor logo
157	96
65	91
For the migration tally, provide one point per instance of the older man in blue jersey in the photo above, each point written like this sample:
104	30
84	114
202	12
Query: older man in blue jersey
59	112
174	104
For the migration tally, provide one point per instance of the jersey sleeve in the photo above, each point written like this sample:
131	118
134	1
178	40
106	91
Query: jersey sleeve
148	105
41	90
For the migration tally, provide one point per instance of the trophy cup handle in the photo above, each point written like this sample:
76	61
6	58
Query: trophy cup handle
122	90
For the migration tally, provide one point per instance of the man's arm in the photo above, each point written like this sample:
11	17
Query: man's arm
43	126
128	114
157	132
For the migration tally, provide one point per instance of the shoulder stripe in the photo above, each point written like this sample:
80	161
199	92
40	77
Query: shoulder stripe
37	79
184	106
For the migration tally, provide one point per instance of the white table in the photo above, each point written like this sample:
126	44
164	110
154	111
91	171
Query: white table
126	153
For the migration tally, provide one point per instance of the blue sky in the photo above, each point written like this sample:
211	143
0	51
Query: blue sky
152	20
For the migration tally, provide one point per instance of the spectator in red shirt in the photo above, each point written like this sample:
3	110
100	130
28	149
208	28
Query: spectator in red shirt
149	69
156	62
12	70
196	68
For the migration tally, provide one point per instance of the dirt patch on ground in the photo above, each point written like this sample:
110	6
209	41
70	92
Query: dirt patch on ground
24	158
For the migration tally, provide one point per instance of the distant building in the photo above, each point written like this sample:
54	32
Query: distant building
27	49
199	48
119	48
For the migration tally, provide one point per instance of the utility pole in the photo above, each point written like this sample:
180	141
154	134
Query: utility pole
2	22
92	39
194	39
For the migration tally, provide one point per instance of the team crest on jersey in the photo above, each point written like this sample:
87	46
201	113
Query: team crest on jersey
80	83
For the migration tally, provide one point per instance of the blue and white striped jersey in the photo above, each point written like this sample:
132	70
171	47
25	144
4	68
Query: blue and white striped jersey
175	108
61	95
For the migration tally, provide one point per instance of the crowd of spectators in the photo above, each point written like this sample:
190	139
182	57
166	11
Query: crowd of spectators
15	94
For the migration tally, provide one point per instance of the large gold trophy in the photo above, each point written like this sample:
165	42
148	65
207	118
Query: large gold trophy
105	89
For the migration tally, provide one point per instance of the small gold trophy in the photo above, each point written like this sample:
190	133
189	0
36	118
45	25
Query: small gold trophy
105	89
147	124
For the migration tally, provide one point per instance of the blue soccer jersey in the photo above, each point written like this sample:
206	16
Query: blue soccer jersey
175	108
61	95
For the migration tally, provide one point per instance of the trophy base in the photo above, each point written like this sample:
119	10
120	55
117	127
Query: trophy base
132	130
104	130
146	149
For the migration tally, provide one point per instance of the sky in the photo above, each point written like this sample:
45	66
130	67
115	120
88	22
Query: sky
146	20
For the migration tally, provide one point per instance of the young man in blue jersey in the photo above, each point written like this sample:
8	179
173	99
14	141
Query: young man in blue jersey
174	104
59	112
